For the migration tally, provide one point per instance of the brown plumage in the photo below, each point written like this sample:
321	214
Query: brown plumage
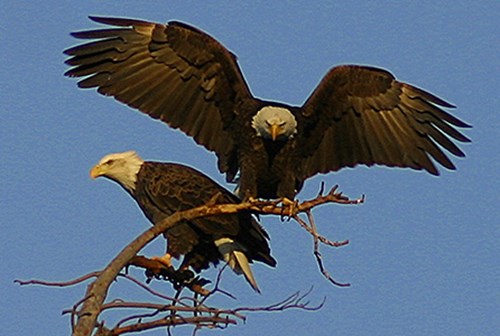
181	75
161	189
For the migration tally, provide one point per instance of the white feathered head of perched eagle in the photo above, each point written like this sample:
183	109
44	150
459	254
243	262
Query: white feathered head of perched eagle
120	167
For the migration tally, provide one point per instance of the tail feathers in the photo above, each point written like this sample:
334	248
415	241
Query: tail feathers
236	259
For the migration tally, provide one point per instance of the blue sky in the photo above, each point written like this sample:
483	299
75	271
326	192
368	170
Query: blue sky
424	255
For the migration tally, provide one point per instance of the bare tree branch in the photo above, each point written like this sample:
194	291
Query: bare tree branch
321	238
87	310
202	316
317	253
58	283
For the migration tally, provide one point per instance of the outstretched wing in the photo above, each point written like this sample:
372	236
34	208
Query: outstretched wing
172	72
363	115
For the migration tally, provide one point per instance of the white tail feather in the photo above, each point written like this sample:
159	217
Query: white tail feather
236	259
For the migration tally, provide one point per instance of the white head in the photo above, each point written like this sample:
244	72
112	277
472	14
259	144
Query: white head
120	167
275	123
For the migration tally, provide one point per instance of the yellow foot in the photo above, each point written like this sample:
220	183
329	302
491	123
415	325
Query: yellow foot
251	199
165	260
289	205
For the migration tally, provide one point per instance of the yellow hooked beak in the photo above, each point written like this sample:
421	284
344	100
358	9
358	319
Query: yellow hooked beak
95	172
275	131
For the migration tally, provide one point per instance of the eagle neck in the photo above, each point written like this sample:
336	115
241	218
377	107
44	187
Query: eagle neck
128	179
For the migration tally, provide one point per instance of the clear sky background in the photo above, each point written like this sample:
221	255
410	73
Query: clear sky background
424	251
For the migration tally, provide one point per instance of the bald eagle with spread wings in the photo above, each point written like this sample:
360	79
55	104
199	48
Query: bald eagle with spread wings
161	189
184	77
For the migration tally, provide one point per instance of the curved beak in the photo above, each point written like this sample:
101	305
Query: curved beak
275	131
95	172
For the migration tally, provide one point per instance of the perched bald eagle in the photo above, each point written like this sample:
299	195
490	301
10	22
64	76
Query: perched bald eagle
161	189
184	77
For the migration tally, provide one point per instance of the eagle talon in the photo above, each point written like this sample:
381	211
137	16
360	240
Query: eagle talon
185	276
288	207
187	279
252	200
166	273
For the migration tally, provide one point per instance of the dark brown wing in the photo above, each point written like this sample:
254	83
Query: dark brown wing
172	72
363	115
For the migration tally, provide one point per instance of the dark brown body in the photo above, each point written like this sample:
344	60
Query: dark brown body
164	188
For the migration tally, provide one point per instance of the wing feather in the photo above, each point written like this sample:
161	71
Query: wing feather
172	72
363	115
